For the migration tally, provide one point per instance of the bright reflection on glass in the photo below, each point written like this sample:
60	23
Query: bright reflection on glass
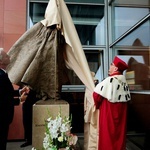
139	37
126	17
138	73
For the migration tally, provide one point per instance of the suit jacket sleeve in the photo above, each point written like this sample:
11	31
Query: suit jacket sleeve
7	100
16	99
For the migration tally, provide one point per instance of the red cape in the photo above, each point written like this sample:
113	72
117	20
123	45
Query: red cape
112	123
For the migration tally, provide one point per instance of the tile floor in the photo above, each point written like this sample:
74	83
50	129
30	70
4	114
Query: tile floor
15	145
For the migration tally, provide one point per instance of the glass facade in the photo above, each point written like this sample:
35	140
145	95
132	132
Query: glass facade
108	28
131	41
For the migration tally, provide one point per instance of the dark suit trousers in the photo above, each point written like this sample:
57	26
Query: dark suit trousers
3	135
27	115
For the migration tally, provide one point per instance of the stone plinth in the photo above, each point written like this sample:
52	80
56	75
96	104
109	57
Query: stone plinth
41	112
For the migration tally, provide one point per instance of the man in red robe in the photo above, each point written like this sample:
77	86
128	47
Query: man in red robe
111	97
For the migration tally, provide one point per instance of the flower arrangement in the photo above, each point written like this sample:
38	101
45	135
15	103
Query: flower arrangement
58	135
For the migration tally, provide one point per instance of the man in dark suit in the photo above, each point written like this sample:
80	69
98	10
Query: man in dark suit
7	100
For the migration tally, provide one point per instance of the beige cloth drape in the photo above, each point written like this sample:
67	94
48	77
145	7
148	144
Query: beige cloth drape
76	61
58	14
33	61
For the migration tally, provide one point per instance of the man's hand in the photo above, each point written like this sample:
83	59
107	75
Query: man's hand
23	97
25	90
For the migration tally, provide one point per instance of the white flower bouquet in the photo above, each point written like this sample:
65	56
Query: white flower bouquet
58	135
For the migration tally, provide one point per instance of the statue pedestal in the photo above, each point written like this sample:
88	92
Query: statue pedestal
41	112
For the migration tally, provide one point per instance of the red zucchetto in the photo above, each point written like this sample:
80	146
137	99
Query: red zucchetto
120	64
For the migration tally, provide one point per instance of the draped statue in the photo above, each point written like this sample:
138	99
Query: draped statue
37	60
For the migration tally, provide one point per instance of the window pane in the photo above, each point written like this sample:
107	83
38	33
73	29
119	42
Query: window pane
89	23
126	17
37	12
138	73
139	37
